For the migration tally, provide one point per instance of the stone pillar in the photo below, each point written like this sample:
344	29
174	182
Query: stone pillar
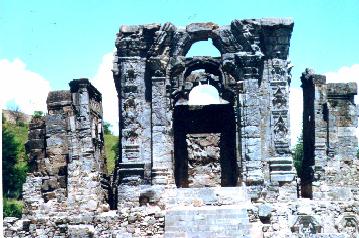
86	166
162	144
59	104
275	42
35	148
314	130
251	138
136	118
280	161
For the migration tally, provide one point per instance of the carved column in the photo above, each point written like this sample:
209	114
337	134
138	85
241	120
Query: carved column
135	130
280	162
162	144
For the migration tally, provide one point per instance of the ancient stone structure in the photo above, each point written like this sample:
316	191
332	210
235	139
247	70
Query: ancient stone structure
221	167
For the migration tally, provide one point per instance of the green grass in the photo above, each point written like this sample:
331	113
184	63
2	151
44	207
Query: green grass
12	207
110	148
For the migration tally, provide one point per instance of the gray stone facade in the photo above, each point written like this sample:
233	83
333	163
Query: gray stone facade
218	170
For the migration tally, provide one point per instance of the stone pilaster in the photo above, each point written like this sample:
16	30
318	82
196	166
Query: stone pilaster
314	129
251	138
86	163
162	143
280	161
136	115
343	120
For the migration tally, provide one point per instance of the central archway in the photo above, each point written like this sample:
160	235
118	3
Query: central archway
215	118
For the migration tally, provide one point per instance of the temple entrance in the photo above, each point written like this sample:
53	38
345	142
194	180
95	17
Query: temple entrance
193	123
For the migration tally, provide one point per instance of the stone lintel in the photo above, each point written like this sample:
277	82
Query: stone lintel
58	99
76	84
342	89
282	22
130	28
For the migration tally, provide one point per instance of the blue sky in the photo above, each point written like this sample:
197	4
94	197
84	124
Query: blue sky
62	40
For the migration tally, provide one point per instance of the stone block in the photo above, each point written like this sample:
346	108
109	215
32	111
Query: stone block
129	28
265	211
35	144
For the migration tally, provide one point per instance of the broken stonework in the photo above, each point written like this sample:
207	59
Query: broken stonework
220	168
330	117
203	160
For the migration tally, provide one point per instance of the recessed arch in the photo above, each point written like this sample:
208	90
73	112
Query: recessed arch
203	48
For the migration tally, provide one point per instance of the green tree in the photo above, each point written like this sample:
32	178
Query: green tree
10	148
14	160
106	128
298	155
38	114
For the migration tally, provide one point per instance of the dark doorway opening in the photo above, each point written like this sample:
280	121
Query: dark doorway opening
214	118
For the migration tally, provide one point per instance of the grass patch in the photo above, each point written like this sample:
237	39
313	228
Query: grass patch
12	207
110	148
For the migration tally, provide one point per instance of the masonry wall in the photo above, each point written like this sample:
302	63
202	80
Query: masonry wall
66	154
329	121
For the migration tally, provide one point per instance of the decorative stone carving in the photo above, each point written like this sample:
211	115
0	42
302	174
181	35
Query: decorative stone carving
280	100
348	223
280	129
306	226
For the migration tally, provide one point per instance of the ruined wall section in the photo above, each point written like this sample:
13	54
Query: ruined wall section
204	167
86	164
329	120
66	154
338	178
35	148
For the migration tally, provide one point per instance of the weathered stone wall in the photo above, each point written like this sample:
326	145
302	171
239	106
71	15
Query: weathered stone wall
329	121
151	77
66	155
204	167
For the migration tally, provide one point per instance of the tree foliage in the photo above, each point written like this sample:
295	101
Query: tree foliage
298	155
106	128
38	114
12	208
9	153
14	164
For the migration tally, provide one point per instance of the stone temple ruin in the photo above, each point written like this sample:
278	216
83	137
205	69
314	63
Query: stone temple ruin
218	169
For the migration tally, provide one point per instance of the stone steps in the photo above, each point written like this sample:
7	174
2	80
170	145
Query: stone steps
207	221
161	176
282	169
211	196
131	169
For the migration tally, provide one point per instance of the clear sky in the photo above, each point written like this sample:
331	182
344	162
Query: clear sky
60	40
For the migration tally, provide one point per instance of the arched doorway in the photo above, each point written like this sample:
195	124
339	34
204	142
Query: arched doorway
204	131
